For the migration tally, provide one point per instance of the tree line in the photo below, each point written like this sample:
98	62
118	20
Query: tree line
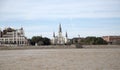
39	40
89	41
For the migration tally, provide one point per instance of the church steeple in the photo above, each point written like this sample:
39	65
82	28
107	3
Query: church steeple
0	29
66	35
0	32
60	29
60	39
53	34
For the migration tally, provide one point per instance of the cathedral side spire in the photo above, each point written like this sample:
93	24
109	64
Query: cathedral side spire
53	34
66	35
0	32
0	29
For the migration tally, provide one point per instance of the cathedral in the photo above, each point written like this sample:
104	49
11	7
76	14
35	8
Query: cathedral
59	39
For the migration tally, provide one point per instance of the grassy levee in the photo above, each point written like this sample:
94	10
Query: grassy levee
57	47
37	47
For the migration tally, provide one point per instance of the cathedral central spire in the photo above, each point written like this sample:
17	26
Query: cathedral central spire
60	29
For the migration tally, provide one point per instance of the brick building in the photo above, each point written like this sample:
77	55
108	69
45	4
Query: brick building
112	39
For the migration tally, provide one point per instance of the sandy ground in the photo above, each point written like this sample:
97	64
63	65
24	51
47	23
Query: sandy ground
60	59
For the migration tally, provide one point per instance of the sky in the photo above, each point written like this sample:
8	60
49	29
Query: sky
77	17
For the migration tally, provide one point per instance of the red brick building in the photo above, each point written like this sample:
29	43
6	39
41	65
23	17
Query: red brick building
112	39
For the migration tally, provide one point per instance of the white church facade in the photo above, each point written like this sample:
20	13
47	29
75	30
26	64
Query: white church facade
59	39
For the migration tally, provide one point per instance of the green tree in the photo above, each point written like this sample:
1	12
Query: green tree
93	41
46	41
39	40
99	40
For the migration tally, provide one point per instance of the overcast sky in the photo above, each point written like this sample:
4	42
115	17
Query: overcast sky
77	17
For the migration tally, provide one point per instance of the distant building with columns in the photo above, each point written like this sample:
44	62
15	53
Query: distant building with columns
12	37
59	39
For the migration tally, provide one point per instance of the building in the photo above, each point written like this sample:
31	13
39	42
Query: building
59	39
12	37
77	40
112	39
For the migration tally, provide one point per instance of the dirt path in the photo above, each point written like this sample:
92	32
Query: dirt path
60	59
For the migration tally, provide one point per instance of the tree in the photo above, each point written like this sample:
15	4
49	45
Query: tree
46	41
100	41
39	40
8	30
40	43
93	41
